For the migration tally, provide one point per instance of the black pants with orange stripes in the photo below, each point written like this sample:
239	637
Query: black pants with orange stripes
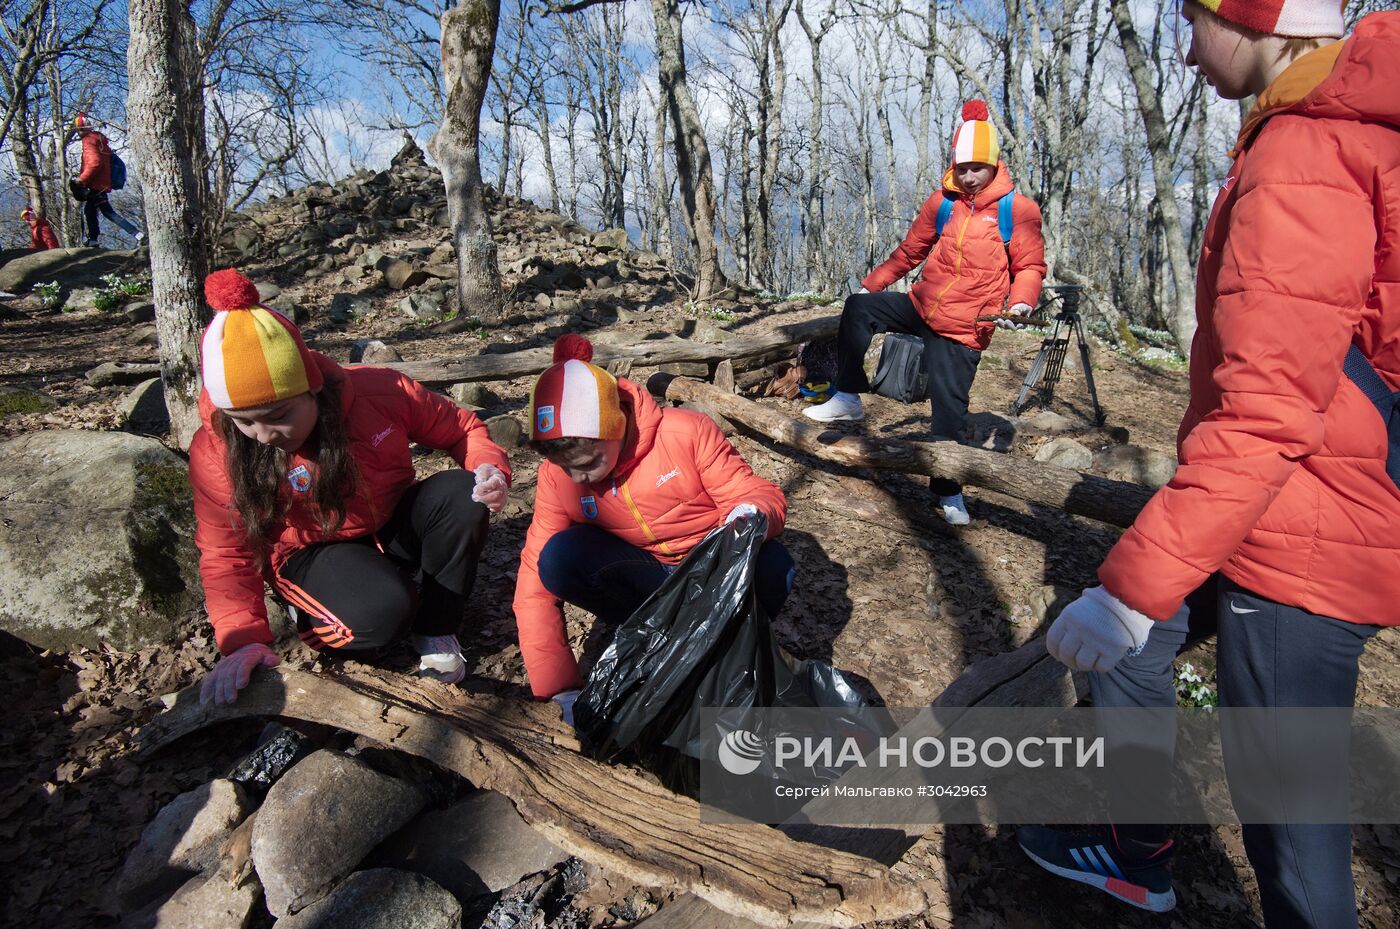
414	574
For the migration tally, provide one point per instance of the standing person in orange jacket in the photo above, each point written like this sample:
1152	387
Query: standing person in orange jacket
1281	520
94	183
626	490
41	234
981	246
304	478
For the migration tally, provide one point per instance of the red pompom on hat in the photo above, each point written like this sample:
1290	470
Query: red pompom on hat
230	290
571	346
975	109
575	398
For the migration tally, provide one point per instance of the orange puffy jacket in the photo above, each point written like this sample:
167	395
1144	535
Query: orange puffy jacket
41	234
677	479
970	271
383	411
1282	484
96	170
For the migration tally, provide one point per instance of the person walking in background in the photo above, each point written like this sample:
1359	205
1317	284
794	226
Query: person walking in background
981	246
1280	521
94	183
41	234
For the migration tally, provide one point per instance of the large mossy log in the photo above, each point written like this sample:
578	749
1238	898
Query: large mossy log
1113	502
608	814
642	353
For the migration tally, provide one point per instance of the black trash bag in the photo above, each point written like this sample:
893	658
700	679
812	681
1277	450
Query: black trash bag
701	640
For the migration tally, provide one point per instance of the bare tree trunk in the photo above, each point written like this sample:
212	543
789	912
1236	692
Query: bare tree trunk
26	164
1181	313
922	180
662	238
814	198
547	149
468	44
692	151
164	108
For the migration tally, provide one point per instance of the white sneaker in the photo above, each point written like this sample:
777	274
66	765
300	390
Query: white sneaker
954	511
140	239
841	407
440	658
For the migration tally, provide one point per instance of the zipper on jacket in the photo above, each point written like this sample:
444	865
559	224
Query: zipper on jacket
641	520
957	264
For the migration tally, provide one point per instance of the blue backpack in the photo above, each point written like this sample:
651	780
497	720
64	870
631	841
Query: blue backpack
1005	221
1387	402
118	172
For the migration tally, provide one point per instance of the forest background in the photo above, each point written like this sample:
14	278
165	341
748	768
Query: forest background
815	128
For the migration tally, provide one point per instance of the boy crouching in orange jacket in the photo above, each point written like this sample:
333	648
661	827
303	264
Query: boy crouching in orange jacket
626	490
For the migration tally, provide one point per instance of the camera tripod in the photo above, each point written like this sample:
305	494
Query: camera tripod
1049	361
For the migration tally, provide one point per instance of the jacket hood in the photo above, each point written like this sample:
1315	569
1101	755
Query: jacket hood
331	371
645	417
1000	186
1353	79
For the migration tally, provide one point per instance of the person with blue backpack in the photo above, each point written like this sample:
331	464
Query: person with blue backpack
981	247
101	172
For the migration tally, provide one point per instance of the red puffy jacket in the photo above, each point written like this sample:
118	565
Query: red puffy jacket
383	411
970	271
41	234
1282	484
677	479
96	170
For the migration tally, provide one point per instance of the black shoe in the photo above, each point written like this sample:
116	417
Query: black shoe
1093	856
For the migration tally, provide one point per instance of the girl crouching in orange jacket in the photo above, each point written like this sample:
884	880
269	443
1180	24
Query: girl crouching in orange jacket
303	478
626	490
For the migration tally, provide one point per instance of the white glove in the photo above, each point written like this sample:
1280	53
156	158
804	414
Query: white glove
862	291
740	511
1020	309
566	704
231	673
491	487
1097	631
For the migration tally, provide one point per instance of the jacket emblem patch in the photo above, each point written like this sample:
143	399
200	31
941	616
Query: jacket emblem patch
590	507
674	472
300	479
381	437
544	419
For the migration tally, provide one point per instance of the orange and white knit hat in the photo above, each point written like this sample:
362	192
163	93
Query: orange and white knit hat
976	139
1303	19
575	399
251	356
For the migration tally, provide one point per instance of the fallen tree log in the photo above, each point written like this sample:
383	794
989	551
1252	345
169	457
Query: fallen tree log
610	815
1109	501
442	371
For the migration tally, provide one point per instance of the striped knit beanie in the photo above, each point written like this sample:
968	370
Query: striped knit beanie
976	139
1303	19
575	399
251	356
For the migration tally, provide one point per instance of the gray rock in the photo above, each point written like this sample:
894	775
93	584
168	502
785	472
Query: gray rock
506	431
381	898
1137	464
71	267
144	336
374	258
246	239
182	840
1046	422
268	292
426	306
318	822
565	304
443	272
443	254
611	240
121	373
288	250
143	411
400	275
97	541
373	352
24	400
1065	453
346	307
142	311
544	301
473	394
209	901
352	274
990	431
83	298
476	846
